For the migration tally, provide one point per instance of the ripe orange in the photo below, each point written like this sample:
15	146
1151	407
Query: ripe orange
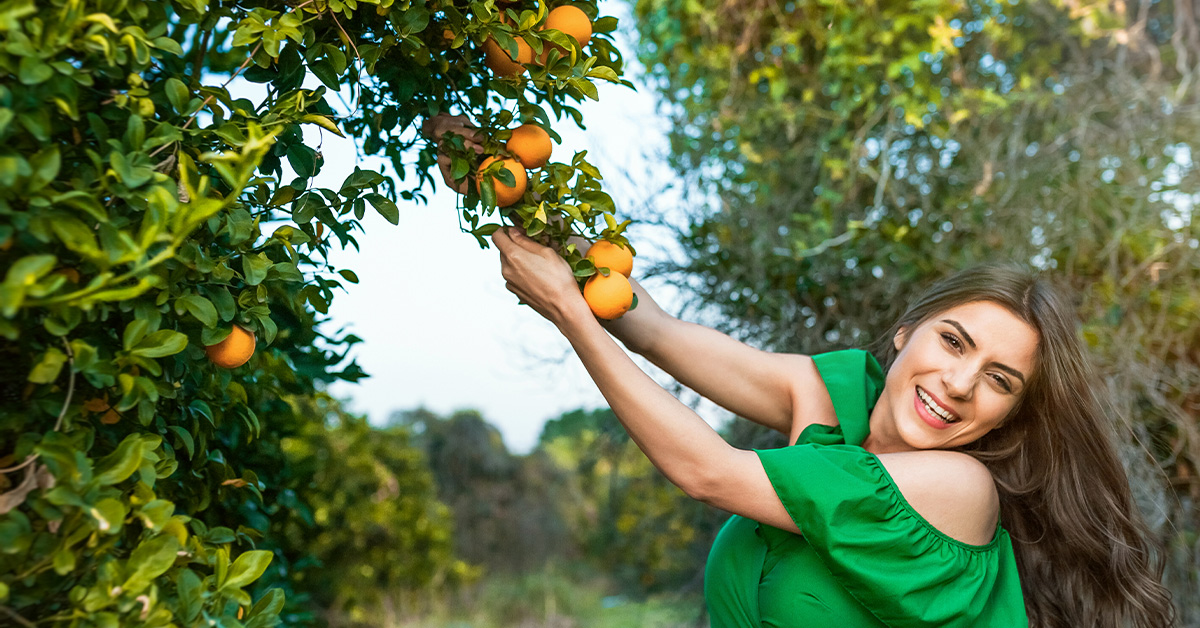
70	273
570	20
531	145
500	63
608	297
234	351
506	195
618	259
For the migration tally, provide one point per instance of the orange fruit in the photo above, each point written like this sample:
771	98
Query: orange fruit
616	258
608	297
234	351
506	195
70	273
500	63
531	145
569	20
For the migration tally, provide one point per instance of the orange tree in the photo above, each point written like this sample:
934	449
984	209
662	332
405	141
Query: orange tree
146	211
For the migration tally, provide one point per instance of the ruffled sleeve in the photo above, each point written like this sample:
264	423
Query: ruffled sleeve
882	551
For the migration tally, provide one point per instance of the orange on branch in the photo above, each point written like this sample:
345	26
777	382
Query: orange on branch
569	20
506	195
608	297
531	145
234	351
610	255
499	61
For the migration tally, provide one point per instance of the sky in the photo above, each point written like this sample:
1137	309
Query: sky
440	330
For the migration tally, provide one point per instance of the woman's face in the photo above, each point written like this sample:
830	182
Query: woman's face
957	376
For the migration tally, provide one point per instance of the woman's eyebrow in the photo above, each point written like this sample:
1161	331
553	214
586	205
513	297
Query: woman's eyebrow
1003	367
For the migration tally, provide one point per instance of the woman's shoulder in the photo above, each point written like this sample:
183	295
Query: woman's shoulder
951	491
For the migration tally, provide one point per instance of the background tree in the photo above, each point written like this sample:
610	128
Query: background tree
146	211
845	154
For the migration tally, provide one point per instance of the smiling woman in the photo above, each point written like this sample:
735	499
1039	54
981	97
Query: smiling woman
1012	358
973	485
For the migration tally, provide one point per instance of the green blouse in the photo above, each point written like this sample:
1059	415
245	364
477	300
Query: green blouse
866	558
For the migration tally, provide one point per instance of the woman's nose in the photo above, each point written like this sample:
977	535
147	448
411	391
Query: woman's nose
959	382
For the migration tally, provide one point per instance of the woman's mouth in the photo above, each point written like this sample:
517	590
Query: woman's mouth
933	413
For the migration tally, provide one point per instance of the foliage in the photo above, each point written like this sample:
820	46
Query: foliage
146	210
847	152
631	522
506	508
366	514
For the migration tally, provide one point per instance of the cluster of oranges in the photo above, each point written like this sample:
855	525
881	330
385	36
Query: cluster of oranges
609	296
567	19
530	147
608	292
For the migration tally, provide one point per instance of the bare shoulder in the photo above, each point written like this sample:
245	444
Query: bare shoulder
951	490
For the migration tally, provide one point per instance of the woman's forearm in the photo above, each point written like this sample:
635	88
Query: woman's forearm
675	439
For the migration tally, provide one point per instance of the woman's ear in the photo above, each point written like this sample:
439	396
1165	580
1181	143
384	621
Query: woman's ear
900	337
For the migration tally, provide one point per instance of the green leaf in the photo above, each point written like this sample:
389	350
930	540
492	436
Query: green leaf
184	437
120	464
75	235
48	368
45	164
109	514
64	561
255	267
302	159
156	513
134	332
188	584
323	122
178	94
348	275
32	70
199	307
160	344
385	207
27	270
265	612
150	560
247	568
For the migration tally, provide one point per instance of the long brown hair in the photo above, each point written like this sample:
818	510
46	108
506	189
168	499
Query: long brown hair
1083	553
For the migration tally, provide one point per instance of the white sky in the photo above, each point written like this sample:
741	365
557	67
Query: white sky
439	328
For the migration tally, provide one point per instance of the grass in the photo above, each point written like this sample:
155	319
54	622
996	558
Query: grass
552	598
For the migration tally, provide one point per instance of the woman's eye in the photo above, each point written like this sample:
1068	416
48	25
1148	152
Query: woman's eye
1002	382
952	340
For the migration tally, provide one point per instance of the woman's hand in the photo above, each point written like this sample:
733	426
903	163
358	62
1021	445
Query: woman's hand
437	127
539	277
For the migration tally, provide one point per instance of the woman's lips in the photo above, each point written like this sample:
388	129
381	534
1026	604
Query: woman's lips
923	412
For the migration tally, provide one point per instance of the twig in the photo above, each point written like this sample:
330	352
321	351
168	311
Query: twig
18	618
350	41
57	424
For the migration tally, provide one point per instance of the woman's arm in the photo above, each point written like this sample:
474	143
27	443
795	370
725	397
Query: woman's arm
767	388
689	452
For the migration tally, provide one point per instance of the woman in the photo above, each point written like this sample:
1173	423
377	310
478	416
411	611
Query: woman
972	485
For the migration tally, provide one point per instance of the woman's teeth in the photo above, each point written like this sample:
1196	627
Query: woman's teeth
935	409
